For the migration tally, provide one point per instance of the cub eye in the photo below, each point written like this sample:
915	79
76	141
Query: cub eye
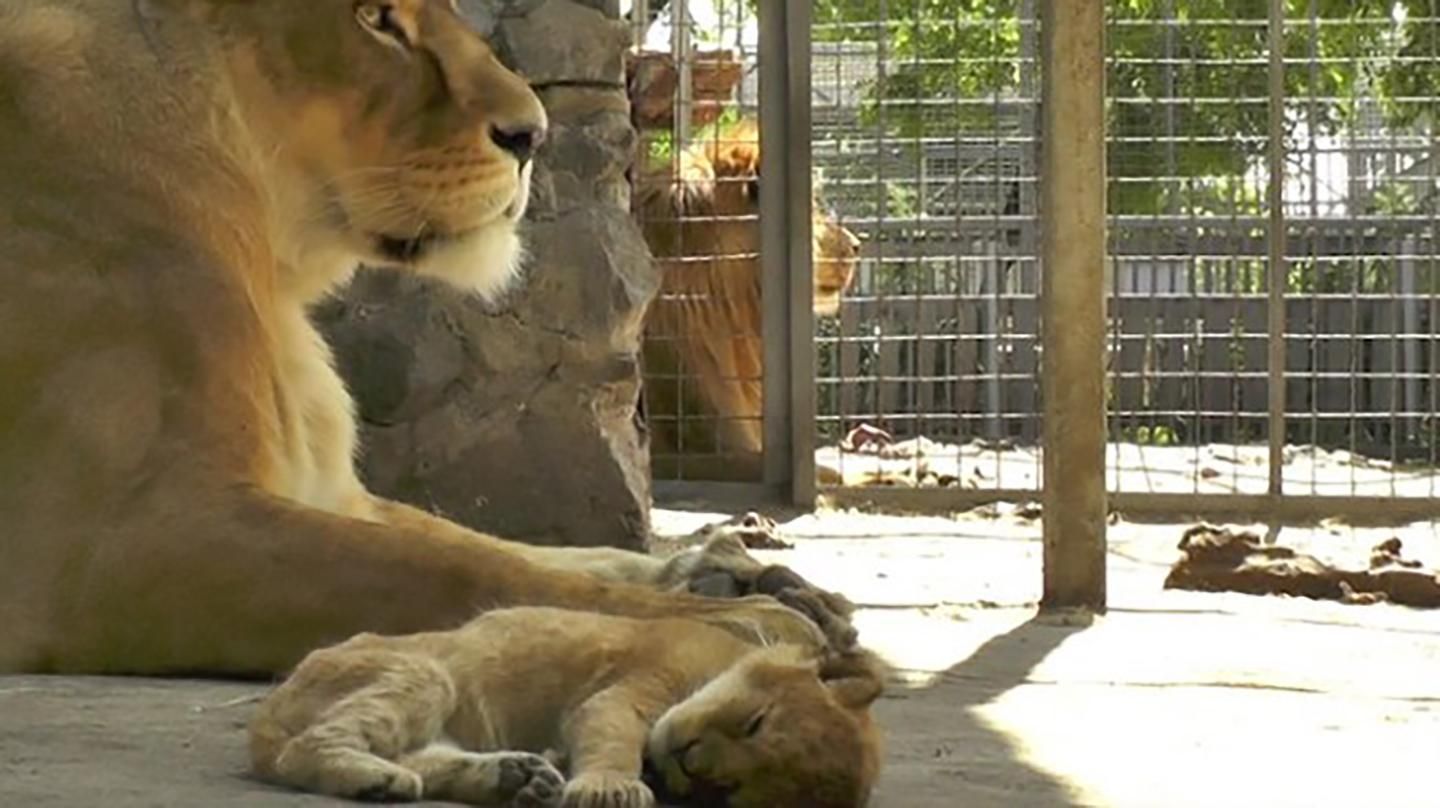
379	18
753	727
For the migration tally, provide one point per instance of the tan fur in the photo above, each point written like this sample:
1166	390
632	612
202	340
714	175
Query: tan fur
703	351
179	179
443	715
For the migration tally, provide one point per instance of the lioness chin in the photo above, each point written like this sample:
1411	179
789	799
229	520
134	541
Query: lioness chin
179	179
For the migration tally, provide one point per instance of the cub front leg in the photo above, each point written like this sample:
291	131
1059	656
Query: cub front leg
500	779
605	738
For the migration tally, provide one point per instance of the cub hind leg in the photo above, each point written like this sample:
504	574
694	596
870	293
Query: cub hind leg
500	779
352	748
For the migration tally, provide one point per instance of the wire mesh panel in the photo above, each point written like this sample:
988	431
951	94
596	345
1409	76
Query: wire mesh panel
694	86
1272	283
924	132
1195	235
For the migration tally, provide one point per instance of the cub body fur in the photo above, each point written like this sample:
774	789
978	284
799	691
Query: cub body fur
704	357
179	180
464	715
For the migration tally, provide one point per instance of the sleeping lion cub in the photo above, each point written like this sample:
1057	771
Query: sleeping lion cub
460	715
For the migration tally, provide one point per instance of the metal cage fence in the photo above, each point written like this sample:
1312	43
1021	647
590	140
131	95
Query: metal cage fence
1272	264
693	80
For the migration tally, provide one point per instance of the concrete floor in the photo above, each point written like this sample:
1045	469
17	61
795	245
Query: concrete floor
1172	699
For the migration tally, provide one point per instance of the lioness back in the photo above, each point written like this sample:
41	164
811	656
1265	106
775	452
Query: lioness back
702	709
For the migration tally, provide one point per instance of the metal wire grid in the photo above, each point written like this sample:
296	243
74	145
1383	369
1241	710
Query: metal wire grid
694	360
926	138
1193	242
925	131
939	341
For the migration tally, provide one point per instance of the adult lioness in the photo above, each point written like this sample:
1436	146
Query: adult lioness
462	715
178	179
704	357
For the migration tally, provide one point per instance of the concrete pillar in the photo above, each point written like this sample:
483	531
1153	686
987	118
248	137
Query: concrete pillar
1073	176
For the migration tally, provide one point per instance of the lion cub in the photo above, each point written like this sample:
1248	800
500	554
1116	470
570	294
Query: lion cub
459	715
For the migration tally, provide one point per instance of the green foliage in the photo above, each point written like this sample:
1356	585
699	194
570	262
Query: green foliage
1146	435
1196	69
661	144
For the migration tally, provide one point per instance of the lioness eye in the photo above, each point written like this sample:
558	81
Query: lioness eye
752	728
380	18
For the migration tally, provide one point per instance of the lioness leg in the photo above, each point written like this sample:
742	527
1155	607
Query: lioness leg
259	581
719	566
509	779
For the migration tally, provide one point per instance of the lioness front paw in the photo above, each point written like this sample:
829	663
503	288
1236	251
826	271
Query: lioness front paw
764	620
723	568
607	790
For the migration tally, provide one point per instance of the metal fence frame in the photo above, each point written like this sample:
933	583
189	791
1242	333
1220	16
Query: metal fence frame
790	418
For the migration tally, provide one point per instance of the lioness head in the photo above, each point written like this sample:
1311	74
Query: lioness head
391	133
708	210
778	729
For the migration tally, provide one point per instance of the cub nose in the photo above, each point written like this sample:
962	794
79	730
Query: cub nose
520	141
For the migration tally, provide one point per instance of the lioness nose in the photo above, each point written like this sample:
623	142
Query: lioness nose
519	141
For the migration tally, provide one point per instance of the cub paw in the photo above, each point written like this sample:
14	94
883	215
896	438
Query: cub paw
529	781
607	790
390	786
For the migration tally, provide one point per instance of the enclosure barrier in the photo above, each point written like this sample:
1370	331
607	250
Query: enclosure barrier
1073	235
1273	289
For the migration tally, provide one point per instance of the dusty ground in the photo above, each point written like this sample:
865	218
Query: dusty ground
1134	468
1173	699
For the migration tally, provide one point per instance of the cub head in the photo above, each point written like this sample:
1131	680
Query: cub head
389	133
778	728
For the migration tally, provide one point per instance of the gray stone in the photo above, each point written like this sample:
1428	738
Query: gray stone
482	14
592	150
610	8
520	418
562	42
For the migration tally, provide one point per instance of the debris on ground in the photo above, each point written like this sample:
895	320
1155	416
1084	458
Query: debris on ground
756	531
1217	559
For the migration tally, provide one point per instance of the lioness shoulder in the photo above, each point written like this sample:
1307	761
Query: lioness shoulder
180	180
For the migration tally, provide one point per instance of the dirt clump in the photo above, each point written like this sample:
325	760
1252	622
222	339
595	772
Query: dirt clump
1216	559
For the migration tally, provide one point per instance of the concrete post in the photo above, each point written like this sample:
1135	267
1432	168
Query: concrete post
1073	175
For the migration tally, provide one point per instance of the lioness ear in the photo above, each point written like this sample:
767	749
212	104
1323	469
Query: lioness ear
856	678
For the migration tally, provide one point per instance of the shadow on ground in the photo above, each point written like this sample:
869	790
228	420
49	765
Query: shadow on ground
942	752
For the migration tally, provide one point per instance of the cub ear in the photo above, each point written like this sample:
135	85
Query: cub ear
855	678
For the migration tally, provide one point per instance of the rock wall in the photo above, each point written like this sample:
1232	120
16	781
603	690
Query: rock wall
521	419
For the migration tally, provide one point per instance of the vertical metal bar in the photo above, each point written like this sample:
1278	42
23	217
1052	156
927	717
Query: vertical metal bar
1073	234
1275	195
684	84
639	21
775	242
1028	246
785	249
799	222
1312	252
